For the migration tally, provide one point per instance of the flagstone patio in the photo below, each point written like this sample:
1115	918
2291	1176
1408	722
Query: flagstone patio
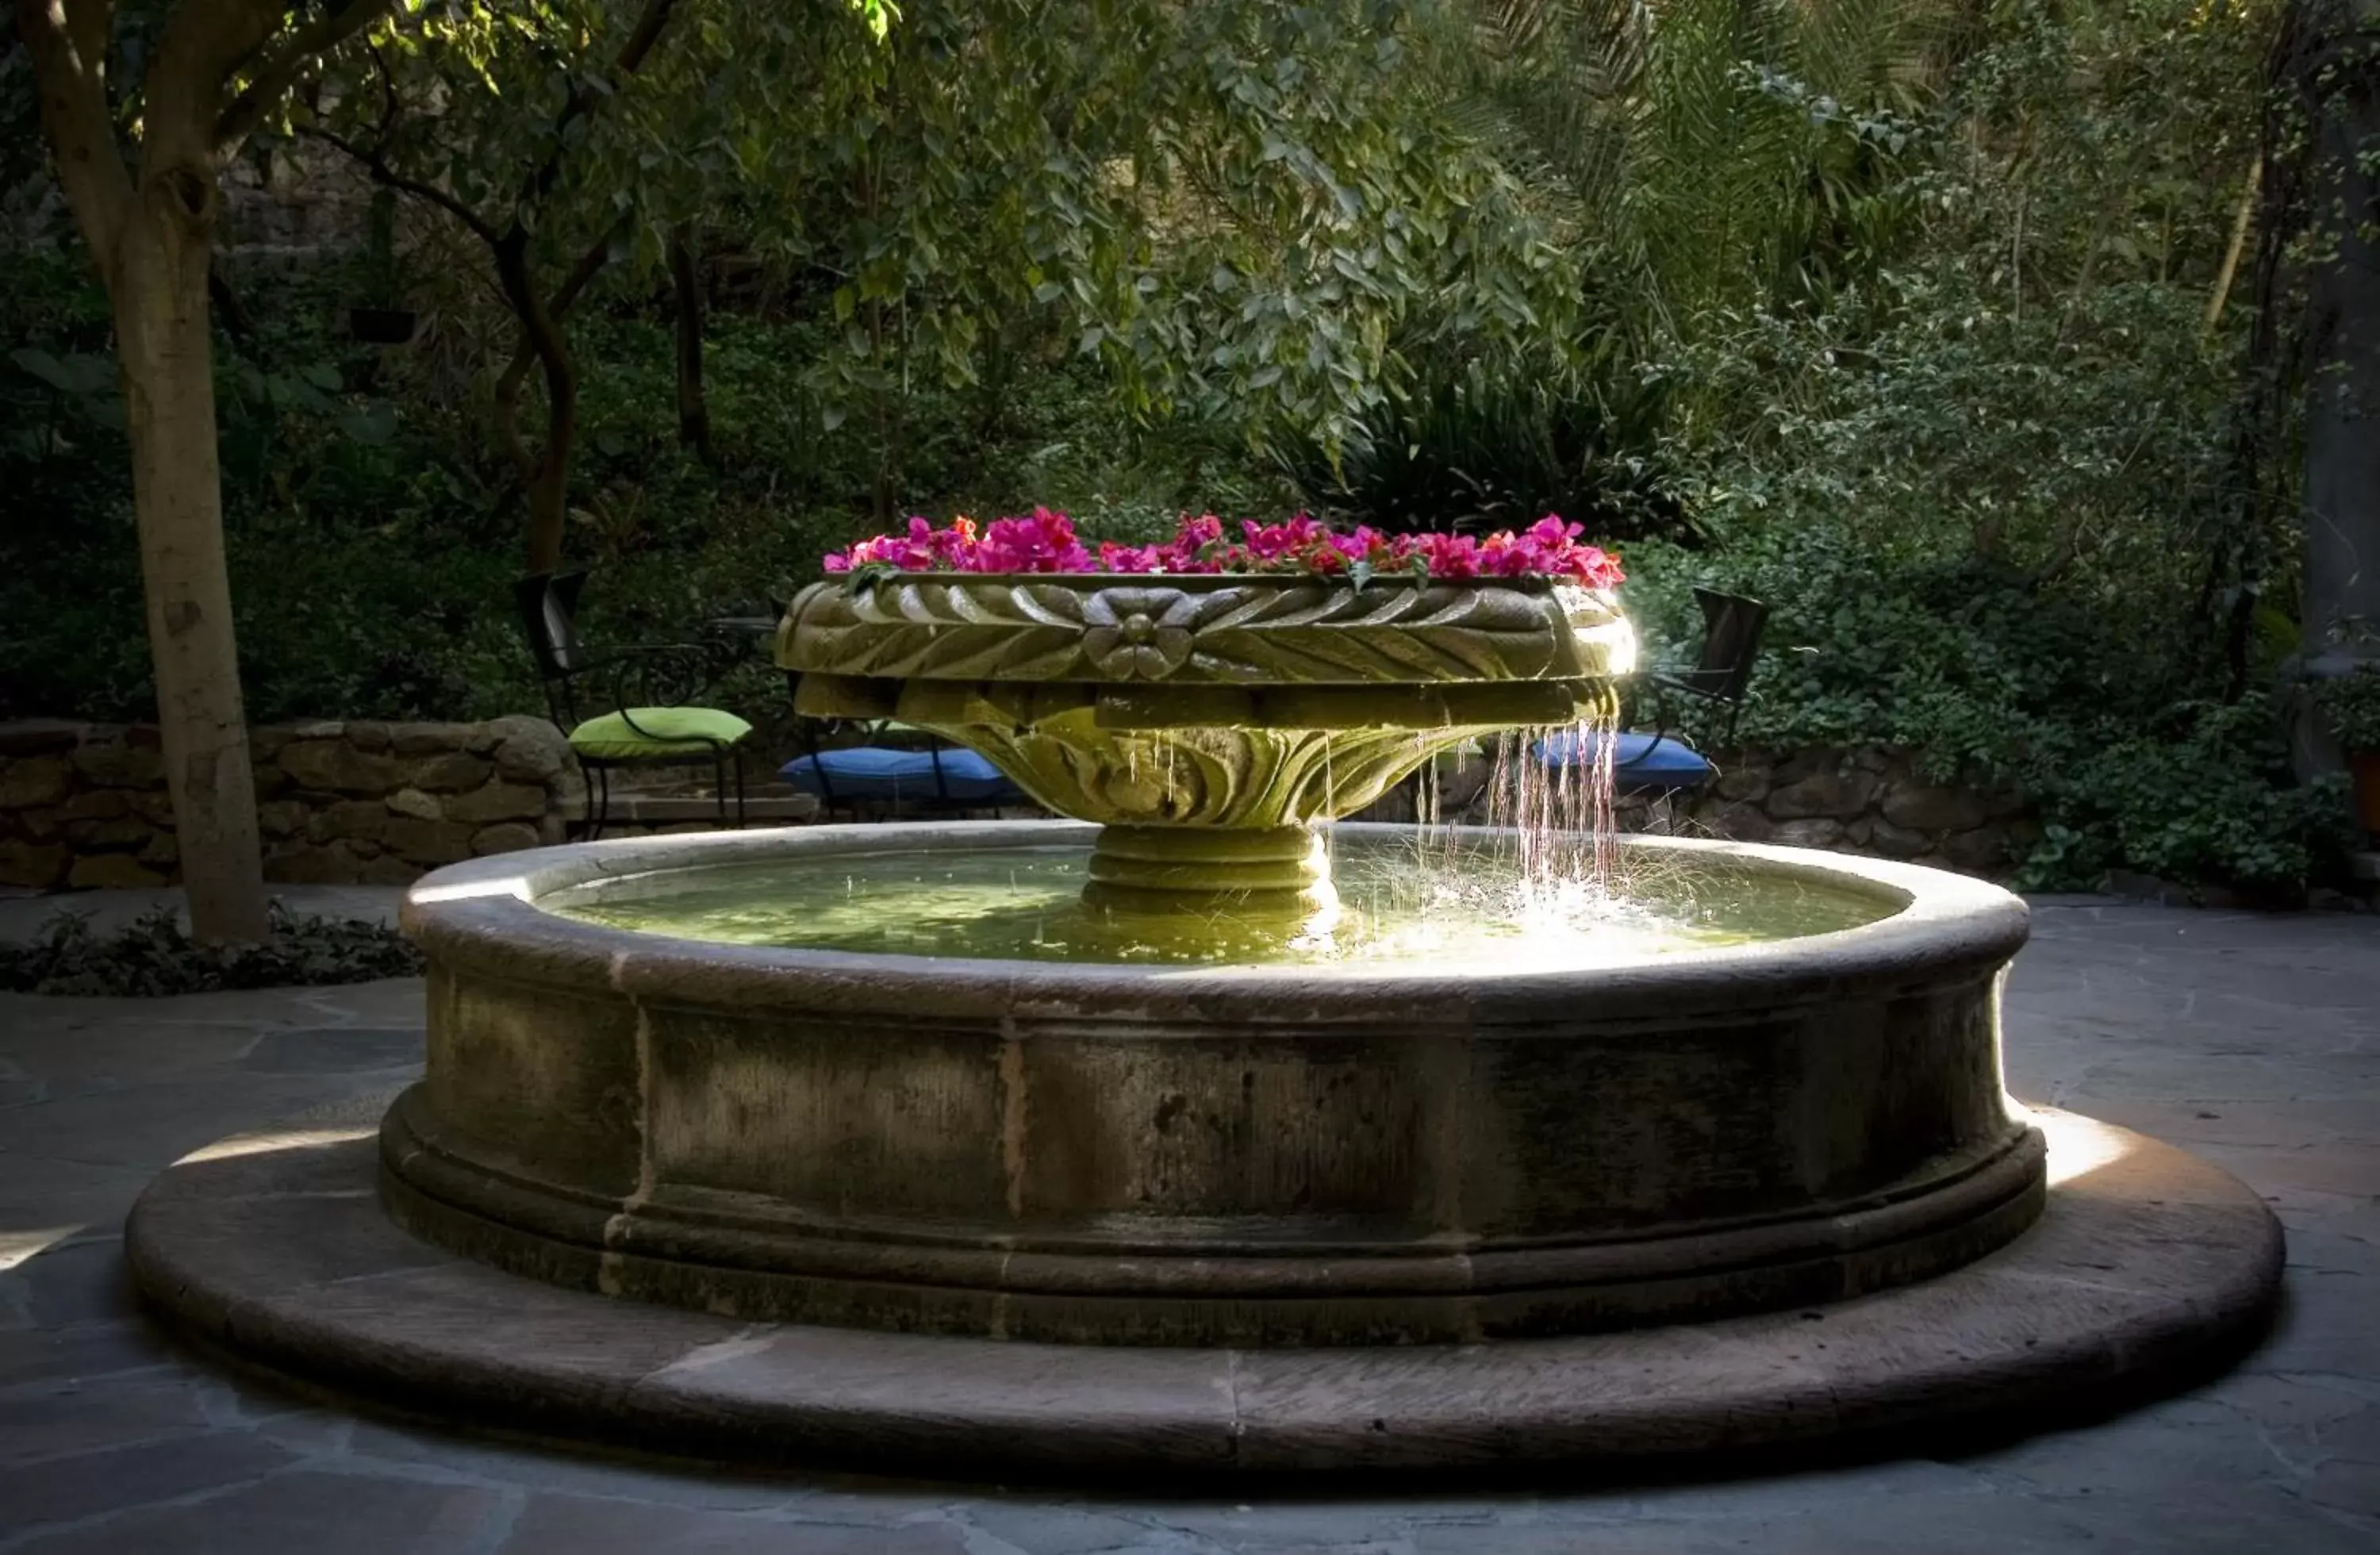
2248	1040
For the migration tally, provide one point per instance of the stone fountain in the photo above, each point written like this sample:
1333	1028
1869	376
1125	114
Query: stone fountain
1080	1213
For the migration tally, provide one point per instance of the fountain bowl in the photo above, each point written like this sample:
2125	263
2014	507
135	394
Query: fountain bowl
1207	722
1241	1155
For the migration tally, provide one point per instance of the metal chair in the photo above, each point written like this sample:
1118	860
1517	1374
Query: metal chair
650	723
1663	763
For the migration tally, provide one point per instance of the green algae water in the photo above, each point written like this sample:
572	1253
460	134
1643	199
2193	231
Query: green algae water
1467	907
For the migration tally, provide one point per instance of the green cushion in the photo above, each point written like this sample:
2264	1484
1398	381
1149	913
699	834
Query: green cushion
673	732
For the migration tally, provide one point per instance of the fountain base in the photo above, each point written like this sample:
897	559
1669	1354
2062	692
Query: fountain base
2146	1267
1273	1280
1174	869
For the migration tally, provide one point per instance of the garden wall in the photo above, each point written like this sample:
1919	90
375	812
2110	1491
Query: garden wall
85	804
1867	801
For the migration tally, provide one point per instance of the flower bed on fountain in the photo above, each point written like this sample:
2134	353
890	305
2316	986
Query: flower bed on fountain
1046	543
1207	701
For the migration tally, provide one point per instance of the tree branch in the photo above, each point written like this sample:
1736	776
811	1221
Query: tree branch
276	70
540	338
183	84
376	163
525	355
631	58
69	41
2242	219
589	265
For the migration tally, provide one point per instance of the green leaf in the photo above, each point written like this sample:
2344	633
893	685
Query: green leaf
76	373
374	426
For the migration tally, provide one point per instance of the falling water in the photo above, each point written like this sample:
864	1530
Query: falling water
1554	818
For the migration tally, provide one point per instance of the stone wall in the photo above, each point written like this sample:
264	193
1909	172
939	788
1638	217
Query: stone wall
1867	801
85	804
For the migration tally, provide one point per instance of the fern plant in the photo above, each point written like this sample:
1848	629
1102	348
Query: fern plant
1700	160
1707	155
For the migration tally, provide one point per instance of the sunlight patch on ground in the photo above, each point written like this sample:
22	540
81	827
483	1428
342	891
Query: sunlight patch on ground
274	1139
15	1247
2079	1146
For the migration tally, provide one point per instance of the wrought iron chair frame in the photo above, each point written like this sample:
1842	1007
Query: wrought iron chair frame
548	604
1733	625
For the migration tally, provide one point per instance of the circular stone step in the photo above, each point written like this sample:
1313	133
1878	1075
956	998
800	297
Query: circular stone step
274	1248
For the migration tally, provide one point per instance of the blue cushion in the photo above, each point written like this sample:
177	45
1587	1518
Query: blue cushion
1637	761
874	771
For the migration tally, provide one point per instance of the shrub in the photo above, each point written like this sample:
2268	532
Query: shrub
2128	761
1479	450
155	957
2351	704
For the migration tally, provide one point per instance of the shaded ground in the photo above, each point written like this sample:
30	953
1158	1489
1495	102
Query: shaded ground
2253	1040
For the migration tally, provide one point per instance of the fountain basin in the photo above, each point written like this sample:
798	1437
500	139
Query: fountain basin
1246	1155
1208	721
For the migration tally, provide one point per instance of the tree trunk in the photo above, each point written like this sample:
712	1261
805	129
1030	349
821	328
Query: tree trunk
158	283
549	502
693	408
549	484
212	73
2342	428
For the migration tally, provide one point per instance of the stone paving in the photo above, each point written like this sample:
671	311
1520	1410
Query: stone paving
2250	1040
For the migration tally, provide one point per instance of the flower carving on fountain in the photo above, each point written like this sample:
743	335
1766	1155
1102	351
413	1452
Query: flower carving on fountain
1139	634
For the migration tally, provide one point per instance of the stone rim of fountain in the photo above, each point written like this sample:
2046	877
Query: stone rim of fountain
2149	1270
485	907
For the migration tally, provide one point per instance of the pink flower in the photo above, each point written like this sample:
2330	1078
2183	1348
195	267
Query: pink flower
1296	540
1455	556
1365	544
1596	568
1552	534
1045	541
1196	546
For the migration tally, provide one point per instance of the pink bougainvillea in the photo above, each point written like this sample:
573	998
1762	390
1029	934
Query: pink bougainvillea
1046	541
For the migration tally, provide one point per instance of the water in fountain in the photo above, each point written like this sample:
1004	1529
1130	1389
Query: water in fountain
1543	885
1464	907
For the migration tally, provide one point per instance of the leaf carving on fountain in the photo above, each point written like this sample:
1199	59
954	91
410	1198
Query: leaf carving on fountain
1268	630
1205	777
1333	632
